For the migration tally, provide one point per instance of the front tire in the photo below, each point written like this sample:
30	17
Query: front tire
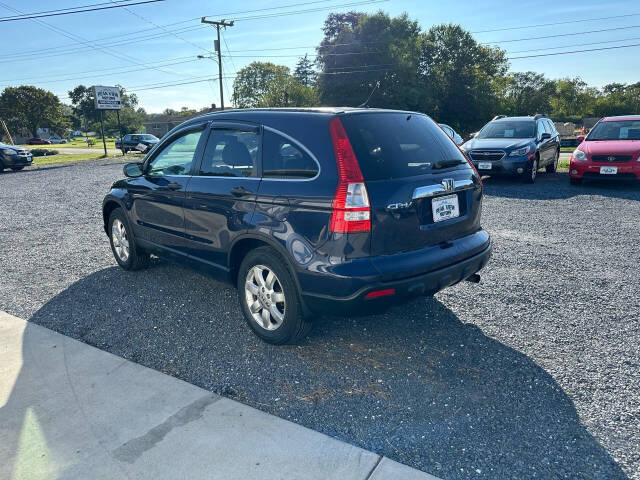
123	243
269	298
532	172
554	165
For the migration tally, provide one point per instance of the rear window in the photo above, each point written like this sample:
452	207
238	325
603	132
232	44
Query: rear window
397	145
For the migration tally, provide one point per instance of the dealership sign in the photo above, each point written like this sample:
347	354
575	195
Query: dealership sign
107	98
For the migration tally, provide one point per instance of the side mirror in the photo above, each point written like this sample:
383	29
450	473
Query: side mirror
545	136
580	138
133	170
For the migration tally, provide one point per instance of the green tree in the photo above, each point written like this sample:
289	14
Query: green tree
459	77
32	108
526	93
360	51
305	73
573	99
287	91
253	82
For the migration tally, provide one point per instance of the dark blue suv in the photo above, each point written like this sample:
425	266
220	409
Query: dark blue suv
517	146
306	211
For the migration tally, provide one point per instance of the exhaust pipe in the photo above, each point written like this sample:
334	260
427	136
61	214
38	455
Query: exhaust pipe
475	278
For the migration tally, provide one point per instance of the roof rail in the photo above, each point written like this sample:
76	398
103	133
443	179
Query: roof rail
540	115
498	117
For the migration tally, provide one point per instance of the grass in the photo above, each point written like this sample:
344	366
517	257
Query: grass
563	165
567	149
69	157
78	142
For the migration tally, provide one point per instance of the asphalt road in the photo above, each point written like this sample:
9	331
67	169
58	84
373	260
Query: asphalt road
531	374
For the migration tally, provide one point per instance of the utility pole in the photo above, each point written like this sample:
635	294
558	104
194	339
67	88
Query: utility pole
218	24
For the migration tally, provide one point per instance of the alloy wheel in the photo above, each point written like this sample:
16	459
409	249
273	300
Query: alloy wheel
265	297
534	169
120	240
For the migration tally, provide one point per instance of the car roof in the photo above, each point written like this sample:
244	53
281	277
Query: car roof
507	119
621	118
264	113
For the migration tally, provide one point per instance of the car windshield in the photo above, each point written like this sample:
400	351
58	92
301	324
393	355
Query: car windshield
508	129
618	130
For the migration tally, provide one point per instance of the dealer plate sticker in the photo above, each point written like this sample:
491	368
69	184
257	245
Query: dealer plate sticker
608	170
444	208
484	165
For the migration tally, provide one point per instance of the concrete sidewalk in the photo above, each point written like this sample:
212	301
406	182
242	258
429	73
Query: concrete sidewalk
69	410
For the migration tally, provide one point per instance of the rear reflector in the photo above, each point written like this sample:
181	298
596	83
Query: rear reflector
351	208
381	293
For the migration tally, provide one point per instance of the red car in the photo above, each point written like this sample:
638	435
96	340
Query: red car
38	141
610	151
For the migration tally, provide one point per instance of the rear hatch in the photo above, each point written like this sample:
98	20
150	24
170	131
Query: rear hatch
421	188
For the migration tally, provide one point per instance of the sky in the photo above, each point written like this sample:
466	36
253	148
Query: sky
146	47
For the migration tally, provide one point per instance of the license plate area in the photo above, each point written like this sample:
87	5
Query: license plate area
445	208
484	165
608	170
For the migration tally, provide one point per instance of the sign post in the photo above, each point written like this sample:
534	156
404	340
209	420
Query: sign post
107	98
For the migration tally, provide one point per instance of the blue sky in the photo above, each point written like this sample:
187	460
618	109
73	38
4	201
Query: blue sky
69	50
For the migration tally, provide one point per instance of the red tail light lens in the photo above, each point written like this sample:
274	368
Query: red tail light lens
351	208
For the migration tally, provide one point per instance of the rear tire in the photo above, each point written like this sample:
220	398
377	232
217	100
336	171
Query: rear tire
532	172
123	244
269	298
575	181
553	167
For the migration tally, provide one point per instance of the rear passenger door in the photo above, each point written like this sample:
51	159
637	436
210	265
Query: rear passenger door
221	196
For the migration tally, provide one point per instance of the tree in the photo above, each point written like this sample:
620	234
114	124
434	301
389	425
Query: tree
526	93
33	108
360	51
287	91
252	82
305	73
459	77
573	98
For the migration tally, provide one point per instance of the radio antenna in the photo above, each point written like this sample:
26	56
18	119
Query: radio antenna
375	87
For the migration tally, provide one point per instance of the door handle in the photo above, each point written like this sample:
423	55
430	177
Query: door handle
239	191
174	186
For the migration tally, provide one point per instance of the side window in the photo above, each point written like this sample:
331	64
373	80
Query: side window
176	157
282	158
541	129
551	128
231	153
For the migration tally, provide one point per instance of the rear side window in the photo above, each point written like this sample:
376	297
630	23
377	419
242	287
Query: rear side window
282	158
397	145
231	153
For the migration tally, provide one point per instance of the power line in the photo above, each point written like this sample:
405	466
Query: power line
560	35
144	19
556	23
30	16
575	51
575	45
309	10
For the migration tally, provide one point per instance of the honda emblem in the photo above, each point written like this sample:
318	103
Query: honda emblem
448	184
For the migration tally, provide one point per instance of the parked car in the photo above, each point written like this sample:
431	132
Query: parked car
15	158
57	140
38	141
141	142
611	151
515	146
306	211
452	134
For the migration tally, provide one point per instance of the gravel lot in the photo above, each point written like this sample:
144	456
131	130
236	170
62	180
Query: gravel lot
531	374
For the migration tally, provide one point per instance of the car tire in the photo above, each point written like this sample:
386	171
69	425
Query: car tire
265	284
531	173
553	167
575	181
16	169
123	243
1	167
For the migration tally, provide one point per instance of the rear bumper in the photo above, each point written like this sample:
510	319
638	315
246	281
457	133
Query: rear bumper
404	289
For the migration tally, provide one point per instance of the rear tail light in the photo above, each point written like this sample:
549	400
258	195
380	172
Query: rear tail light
351	208
381	293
